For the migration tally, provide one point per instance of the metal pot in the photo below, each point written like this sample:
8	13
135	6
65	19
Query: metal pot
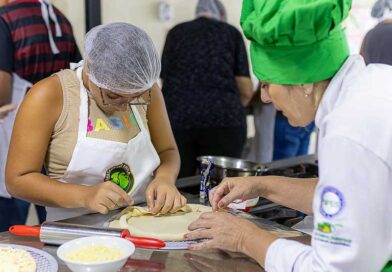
232	167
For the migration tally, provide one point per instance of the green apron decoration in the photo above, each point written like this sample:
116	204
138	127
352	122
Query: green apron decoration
122	176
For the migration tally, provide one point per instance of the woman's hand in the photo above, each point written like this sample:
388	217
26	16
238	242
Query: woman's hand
4	110
231	189
224	230
105	197
163	196
228	232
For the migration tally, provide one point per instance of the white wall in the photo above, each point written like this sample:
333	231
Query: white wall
142	13
75	12
359	23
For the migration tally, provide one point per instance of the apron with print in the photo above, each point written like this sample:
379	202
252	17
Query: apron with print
130	165
19	89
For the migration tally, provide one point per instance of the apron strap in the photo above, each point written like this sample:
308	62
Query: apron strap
83	109
139	120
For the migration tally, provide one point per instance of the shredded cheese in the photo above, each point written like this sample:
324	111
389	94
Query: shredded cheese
16	260
95	253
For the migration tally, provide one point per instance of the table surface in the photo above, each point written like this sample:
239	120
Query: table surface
159	260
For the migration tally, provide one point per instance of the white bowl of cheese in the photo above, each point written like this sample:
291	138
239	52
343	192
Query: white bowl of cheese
96	253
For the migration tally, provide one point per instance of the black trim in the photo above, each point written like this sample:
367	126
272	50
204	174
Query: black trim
93	13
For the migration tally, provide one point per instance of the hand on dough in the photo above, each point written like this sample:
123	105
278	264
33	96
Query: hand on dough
163	197
224	231
227	232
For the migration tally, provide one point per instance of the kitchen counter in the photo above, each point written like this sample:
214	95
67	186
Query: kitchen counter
156	260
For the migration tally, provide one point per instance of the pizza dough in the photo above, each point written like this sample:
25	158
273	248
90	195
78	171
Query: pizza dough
168	227
16	260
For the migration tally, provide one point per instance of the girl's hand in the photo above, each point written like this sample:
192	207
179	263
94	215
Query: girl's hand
105	197
163	197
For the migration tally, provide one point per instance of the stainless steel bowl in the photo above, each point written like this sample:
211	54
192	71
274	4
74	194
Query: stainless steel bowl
232	167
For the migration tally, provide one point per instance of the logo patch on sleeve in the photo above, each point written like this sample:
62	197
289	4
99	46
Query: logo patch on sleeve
332	202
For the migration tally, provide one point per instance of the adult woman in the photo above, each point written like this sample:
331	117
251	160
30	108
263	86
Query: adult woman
90	126
309	75
206	84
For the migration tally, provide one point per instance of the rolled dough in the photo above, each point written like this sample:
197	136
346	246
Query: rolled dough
168	227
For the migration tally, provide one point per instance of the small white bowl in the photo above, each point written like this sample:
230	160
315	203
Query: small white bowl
127	247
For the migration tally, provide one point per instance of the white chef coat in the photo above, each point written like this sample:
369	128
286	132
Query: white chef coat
353	197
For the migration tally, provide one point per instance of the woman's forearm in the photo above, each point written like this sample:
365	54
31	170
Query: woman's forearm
170	165
295	193
42	190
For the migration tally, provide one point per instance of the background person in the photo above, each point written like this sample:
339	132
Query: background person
36	40
377	44
261	147
290	141
206	84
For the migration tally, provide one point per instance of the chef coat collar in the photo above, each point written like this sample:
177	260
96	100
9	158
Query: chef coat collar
350	68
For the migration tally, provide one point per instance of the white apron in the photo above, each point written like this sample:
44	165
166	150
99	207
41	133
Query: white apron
19	89
95	160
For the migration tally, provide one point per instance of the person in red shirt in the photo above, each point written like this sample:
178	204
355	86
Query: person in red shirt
36	40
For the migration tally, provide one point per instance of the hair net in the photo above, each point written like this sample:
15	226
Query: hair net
222	10
379	8
121	57
211	8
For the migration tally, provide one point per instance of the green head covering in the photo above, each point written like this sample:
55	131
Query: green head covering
295	41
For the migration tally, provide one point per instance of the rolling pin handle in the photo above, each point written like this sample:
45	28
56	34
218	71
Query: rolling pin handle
142	241
125	233
22	230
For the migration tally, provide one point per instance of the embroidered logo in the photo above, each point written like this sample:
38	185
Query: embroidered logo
325	227
332	202
331	233
122	176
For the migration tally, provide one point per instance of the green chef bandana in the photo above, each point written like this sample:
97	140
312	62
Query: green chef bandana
295	41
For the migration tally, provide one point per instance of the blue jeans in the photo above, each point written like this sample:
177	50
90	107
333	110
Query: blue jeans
290	141
14	212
